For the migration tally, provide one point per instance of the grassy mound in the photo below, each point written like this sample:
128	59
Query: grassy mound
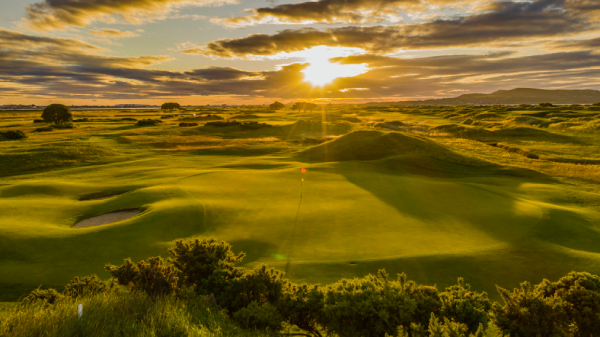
368	145
13	161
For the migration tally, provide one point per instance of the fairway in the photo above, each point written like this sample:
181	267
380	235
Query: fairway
433	205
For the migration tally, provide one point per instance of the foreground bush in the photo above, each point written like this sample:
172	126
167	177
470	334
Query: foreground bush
207	271
123	314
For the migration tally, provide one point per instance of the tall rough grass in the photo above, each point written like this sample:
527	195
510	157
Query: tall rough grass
122	314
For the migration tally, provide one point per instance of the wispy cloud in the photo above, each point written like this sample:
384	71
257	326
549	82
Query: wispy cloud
113	33
60	14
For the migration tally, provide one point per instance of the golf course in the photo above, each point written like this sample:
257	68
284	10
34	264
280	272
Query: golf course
408	189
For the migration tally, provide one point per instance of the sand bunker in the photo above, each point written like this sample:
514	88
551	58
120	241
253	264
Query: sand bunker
107	218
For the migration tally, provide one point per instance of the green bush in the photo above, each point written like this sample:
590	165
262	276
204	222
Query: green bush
259	317
580	293
86	286
207	265
14	134
463	305
57	114
44	297
44	129
255	125
371	306
66	125
301	305
527	313
546	105
260	285
222	124
155	277
148	122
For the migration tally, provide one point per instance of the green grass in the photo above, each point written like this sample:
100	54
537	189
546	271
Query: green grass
429	204
122	315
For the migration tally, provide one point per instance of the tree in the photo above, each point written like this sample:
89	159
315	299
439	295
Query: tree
276	106
57	114
170	106
304	106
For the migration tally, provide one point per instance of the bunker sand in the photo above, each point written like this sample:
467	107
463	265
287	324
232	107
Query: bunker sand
108	218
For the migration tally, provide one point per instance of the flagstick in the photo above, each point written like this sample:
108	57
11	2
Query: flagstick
287	266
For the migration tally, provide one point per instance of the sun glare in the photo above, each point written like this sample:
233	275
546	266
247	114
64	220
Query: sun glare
321	71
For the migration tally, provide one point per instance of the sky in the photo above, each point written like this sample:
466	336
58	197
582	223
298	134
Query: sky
197	52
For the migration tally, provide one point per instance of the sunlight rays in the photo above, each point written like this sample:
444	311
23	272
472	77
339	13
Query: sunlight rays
322	71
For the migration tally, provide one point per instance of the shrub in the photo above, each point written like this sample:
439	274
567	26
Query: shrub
546	105
170	106
222	124
260	285
45	297
148	122
82	120
206	264
86	286
580	293
188	124
526	313
129	119
38	121
64	126
310	140
276	106
14	134
371	306
255	125
44	129
301	305
463	305
155	277
259	317
57	114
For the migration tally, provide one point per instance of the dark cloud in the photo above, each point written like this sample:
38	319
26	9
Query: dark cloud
501	22
59	14
10	39
67	68
339	11
325	11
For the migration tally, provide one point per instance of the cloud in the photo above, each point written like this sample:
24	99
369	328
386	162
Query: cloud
112	33
340	11
14	39
501	22
324	11
60	14
66	68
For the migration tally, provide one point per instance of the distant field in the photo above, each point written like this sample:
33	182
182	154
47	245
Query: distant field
495	195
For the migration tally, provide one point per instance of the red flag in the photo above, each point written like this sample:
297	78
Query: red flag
303	170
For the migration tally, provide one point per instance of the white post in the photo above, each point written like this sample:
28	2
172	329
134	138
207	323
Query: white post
80	310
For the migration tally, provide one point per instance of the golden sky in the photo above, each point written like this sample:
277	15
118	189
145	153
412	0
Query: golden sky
253	52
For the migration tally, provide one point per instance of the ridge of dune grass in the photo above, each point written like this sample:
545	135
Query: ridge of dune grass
122	314
43	156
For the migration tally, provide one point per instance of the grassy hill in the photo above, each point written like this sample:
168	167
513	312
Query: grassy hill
433	204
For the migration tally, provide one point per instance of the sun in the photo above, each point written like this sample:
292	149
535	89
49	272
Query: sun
321	71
